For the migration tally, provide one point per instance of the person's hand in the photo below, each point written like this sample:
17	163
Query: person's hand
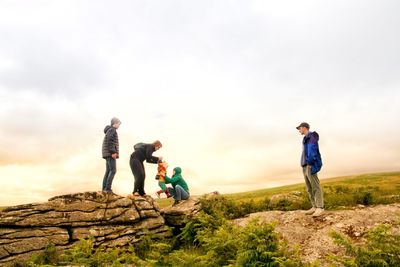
114	156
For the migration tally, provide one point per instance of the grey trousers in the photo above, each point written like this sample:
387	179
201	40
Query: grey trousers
313	188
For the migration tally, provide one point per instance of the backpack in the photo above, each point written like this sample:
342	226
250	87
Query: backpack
139	146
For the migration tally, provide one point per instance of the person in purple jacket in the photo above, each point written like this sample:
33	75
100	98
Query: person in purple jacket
311	163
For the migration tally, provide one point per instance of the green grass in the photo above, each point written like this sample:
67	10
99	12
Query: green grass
338	191
387	183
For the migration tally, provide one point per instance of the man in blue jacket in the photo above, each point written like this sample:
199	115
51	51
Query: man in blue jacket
311	162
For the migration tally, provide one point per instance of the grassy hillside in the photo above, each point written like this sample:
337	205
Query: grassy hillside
386	183
338	191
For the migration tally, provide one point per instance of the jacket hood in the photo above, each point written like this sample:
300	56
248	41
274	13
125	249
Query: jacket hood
177	170
315	135
107	128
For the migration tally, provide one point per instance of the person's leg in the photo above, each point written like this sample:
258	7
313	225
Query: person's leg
142	177
112	164
307	173
181	193
316	190
134	168
105	176
138	173
167	193
171	191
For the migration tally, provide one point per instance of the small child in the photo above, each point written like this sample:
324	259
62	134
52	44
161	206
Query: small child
161	172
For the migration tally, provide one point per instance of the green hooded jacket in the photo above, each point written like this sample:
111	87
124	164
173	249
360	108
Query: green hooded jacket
177	179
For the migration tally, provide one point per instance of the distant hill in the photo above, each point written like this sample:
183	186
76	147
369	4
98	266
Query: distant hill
388	183
381	187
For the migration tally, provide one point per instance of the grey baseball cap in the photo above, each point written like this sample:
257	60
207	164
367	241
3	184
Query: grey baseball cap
303	124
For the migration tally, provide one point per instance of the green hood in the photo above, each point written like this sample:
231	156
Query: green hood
178	170
177	179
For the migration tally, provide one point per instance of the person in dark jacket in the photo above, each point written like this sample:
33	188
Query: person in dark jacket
143	152
110	151
311	163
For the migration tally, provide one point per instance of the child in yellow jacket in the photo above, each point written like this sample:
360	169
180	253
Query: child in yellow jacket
161	172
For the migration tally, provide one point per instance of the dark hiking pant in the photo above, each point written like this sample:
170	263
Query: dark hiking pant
139	173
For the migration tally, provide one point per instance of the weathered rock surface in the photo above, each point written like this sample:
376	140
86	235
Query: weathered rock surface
113	221
312	234
179	215
182	213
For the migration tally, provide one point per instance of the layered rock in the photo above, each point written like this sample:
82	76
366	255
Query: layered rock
63	220
180	214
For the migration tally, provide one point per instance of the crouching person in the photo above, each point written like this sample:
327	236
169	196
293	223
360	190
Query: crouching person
180	189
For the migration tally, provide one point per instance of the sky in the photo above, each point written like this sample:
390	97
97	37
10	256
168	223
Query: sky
222	84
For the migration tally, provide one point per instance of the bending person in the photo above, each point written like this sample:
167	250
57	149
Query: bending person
180	189
143	152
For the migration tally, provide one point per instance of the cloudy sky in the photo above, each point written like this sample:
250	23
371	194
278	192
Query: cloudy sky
221	83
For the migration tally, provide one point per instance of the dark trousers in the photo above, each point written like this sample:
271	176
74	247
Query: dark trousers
111	170
139	173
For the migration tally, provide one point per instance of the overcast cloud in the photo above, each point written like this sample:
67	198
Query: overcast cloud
221	83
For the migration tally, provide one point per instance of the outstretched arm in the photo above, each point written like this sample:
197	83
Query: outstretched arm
149	155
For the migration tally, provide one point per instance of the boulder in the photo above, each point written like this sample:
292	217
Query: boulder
113	220
180	214
294	197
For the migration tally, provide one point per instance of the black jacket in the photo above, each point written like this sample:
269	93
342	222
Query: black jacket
110	142
145	153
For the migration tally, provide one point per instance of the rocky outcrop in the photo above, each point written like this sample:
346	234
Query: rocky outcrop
63	220
180	214
312	234
118	221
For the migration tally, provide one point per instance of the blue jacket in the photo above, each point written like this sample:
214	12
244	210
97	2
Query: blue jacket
311	155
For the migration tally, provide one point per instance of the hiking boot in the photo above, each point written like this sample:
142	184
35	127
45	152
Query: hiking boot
310	211
318	212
